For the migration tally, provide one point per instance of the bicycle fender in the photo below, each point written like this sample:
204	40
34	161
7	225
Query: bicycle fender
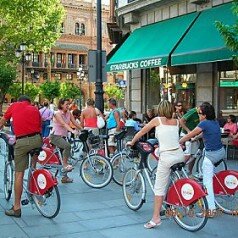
48	157
41	181
184	192
225	182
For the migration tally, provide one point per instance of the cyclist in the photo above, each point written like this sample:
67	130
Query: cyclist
214	150
188	122
166	131
27	128
61	126
113	125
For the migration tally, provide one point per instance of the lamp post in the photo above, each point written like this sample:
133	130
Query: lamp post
21	52
81	75
99	103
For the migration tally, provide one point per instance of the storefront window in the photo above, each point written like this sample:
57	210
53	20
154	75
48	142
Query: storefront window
184	89
229	90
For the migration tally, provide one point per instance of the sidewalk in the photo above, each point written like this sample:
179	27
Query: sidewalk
87	212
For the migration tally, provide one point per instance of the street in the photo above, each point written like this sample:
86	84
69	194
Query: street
87	212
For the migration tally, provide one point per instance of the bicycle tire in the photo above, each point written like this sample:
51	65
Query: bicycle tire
134	190
120	164
220	167
8	179
185	215
42	202
96	167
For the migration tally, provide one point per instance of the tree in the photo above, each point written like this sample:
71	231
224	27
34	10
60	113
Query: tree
36	23
70	90
50	90
7	76
15	90
31	91
230	33
113	91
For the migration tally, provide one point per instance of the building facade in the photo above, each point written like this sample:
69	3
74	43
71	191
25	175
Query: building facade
192	63
70	53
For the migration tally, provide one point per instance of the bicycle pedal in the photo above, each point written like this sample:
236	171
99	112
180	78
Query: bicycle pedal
24	202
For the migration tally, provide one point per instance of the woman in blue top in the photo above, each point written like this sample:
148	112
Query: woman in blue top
214	150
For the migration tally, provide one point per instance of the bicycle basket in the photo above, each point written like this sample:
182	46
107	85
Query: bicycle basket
94	140
144	147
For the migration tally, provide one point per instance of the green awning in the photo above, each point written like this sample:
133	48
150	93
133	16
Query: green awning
203	43
151	45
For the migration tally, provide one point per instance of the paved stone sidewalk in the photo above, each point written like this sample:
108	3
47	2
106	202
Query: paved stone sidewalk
87	212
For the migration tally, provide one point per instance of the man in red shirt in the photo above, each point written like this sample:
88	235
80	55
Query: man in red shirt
27	128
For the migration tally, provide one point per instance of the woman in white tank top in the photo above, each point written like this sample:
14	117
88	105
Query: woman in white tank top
167	132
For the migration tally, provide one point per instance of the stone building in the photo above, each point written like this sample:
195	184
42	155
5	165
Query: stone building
71	51
176	44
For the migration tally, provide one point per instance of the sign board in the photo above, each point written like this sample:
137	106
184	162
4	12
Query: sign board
228	84
92	66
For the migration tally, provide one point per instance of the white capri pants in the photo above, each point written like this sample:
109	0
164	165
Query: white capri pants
166	160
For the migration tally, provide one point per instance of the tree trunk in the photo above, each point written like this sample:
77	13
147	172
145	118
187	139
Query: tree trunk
1	103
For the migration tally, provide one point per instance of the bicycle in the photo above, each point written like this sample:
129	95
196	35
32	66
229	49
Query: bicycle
121	160
7	142
40	187
185	197
94	166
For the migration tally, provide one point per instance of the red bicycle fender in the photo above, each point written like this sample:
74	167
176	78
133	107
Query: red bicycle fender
48	157
184	192
41	181
225	182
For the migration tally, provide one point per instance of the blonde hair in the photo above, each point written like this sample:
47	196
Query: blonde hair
165	109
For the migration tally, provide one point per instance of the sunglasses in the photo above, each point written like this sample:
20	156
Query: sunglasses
200	113
179	105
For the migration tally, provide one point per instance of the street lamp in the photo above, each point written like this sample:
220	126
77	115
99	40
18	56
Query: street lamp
25	57
81	75
99	102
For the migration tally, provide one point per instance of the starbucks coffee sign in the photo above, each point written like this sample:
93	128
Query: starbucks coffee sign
139	64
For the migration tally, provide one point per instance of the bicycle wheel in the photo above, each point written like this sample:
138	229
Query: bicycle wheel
134	190
8	179
227	203
96	171
120	164
217	166
193	217
48	204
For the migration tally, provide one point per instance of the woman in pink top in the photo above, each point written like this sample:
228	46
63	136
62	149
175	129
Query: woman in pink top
89	116
61	126
231	125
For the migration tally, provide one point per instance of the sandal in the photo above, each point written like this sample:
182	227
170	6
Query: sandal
152	224
66	179
67	168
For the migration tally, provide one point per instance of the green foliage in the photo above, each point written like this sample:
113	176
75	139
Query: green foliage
230	33
114	91
31	91
15	90
36	23
154	78
50	90
69	90
7	76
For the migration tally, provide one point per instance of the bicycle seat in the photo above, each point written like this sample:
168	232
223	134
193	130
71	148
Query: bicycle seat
120	135
35	151
177	166
218	162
